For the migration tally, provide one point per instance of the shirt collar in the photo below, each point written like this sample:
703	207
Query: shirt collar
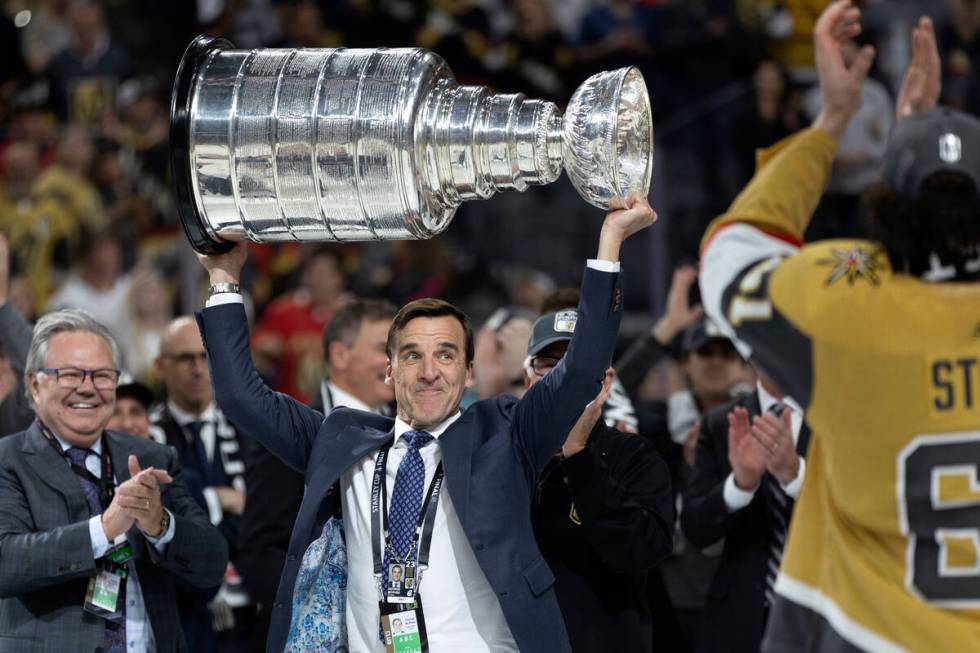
183	418
342	398
767	401
402	427
96	446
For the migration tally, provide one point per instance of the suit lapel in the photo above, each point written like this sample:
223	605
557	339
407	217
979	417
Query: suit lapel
457	445
119	450
54	471
356	442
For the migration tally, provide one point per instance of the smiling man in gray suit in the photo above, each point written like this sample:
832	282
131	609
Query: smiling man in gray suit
69	493
483	582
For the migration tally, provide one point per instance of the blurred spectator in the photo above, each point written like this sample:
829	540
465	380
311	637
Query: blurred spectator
98	285
131	413
302	26
459	30
617	32
16	413
68	181
47	33
287	341
742	493
38	227
961	83
210	452
149	308
538	61
84	76
789	27
354	346
603	513
772	114
857	164
499	351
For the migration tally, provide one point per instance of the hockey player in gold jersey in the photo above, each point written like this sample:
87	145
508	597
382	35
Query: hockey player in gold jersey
880	341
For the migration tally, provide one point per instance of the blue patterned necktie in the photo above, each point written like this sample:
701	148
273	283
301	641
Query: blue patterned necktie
115	634
780	509
406	500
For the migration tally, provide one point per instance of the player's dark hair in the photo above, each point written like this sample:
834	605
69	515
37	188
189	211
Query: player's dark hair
943	220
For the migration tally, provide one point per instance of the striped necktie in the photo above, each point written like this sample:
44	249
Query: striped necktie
780	508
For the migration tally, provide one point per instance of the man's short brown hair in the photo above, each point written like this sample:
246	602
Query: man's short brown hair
429	307
346	323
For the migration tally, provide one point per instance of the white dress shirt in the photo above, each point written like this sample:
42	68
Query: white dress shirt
333	397
139	634
735	497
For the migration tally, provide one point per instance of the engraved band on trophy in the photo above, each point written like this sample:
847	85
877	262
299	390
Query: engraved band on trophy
380	144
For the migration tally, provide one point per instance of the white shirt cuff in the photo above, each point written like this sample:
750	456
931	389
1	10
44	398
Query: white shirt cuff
215	513
735	497
224	298
160	543
602	265
100	543
793	487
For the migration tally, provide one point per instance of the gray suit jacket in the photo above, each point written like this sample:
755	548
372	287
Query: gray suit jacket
46	552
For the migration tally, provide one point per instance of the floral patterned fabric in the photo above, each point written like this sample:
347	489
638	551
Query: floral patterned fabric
318	622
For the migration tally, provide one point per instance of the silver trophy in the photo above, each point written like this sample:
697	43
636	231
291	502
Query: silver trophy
380	144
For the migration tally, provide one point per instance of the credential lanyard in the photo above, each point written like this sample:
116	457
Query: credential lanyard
379	514
105	484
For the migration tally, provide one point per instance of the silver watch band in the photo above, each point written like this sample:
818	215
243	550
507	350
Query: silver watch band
223	287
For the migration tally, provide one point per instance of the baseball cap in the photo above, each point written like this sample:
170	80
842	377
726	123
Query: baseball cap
551	328
701	333
943	139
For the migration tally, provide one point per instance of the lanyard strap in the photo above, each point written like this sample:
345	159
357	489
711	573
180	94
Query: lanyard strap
379	513
106	484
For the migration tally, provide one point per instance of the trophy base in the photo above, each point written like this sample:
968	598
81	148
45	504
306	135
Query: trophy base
180	116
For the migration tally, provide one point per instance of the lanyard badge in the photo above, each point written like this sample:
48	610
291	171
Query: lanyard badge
106	593
402	627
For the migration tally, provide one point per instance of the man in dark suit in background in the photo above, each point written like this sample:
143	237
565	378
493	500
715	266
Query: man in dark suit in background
354	345
210	452
486	586
603	513
748	472
69	490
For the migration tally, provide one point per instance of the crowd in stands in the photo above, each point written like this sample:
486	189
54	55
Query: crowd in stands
88	221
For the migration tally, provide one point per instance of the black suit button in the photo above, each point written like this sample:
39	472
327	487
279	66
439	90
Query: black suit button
291	557
479	547
75	566
280	606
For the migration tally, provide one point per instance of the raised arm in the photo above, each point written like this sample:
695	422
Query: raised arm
551	407
285	426
742	248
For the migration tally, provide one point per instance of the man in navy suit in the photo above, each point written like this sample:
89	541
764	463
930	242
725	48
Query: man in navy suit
478	571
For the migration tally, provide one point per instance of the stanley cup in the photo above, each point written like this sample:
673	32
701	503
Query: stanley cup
380	144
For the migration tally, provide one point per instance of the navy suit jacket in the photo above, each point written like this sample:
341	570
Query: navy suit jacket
492	456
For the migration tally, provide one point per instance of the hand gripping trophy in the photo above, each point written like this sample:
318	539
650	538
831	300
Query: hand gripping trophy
380	144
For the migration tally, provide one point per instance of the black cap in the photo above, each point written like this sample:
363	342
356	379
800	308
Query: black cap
701	333
129	388
551	328
939	140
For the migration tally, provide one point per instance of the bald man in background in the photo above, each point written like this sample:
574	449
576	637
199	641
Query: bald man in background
210	452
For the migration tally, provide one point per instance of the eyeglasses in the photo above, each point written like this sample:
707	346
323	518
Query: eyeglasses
188	358
72	377
541	365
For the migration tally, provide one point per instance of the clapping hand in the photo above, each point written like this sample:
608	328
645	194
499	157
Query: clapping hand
745	454
137	501
923	79
775	435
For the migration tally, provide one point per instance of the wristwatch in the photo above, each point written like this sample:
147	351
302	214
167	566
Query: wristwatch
223	287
